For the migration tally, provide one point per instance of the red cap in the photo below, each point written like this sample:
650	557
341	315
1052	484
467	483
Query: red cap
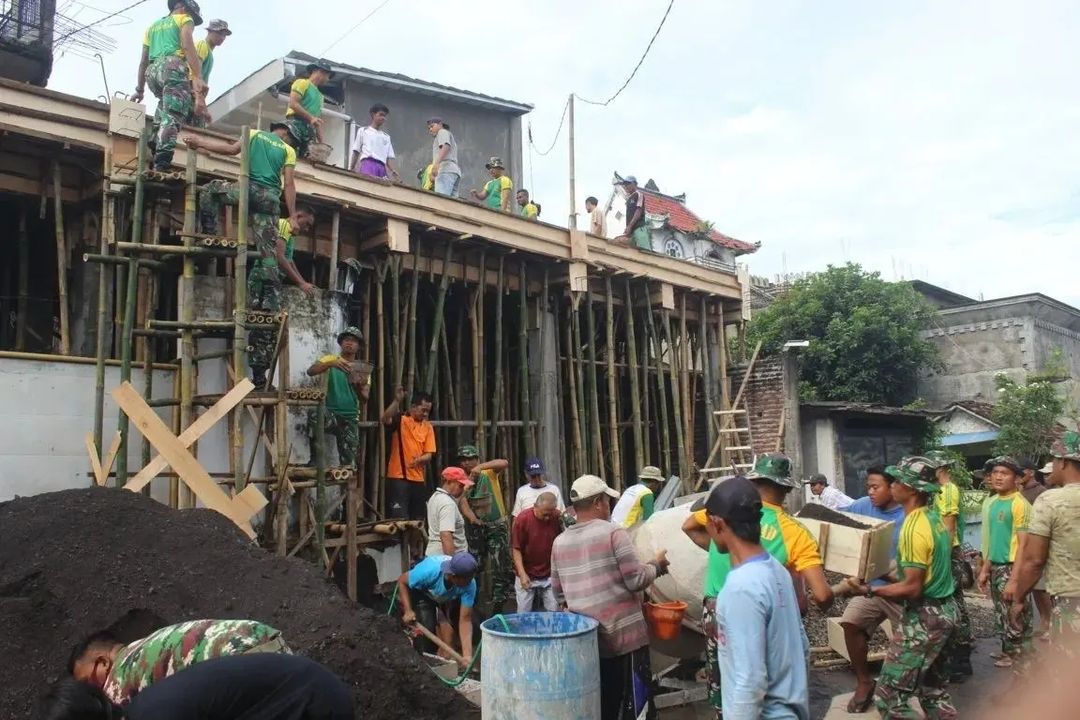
456	474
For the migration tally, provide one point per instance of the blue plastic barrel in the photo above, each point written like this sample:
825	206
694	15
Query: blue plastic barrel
540	666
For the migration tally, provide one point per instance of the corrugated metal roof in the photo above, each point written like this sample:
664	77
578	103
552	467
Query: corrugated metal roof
423	86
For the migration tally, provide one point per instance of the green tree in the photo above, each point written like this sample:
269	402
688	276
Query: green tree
865	335
1027	414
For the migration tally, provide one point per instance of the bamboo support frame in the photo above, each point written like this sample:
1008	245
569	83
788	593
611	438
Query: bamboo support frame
635	391
496	412
61	259
676	404
612	382
581	417
704	348
239	342
523	359
593	386
661	392
107	229
187	309
437	318
684	382
413	299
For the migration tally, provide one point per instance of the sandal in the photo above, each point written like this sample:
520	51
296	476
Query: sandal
856	705
996	655
1004	662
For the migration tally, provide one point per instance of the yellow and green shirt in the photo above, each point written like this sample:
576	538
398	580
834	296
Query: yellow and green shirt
269	156
341	396
1003	517
311	98
487	492
494	190
947	503
782	536
924	544
163	37
529	211
206	56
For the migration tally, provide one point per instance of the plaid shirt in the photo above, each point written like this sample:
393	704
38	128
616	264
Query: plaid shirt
595	571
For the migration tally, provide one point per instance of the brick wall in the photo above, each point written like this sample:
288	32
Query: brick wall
764	396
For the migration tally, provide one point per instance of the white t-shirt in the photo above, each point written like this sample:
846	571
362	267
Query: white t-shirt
621	515
527	494
443	515
372	143
831	498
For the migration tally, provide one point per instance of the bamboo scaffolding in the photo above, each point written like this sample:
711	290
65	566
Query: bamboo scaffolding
676	404
646	400
684	382
496	412
635	391
148	341
661	391
593	386
396	350
61	259
458	374
581	417
437	317
187	310
239	304
480	387
612	383
107	230
707	373
523	360
576	458
380	391
413	299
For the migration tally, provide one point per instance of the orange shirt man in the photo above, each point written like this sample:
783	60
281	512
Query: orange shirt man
411	448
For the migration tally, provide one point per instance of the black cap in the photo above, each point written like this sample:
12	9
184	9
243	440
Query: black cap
734	499
817	478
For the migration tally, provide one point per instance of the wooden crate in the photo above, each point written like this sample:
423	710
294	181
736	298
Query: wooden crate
864	554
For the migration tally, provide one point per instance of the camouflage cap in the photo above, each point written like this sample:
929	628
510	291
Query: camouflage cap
1004	461
774	467
939	459
468	451
352	331
1067	447
922	466
912	478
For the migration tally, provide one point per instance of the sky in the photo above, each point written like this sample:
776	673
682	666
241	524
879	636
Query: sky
922	139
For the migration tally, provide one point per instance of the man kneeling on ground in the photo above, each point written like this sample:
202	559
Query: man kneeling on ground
122	671
434	588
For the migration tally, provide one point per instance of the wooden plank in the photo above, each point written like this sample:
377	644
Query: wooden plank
110	457
177	455
193	432
95	463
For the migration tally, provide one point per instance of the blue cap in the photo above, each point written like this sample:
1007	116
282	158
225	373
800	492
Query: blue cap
534	466
461	564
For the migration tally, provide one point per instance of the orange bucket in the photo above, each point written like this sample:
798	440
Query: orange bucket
665	619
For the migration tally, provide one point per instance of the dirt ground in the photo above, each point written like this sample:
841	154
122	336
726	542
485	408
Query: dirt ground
72	562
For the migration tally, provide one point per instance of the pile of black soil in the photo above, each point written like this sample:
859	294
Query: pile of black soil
75	561
815	511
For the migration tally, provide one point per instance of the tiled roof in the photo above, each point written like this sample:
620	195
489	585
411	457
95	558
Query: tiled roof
681	218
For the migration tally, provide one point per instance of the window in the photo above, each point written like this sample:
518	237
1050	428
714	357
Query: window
673	248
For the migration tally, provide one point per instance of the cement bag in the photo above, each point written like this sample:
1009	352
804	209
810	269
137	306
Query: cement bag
686	576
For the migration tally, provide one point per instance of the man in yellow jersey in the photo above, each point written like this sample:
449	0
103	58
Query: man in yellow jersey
272	160
498	191
487	524
216	32
1004	532
916	664
947	504
782	536
346	387
529	210
304	115
171	66
636	503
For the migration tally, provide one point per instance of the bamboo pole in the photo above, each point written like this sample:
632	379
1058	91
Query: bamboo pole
148	340
661	391
320	478
721	341
459	363
107	229
61	259
240	306
581	417
335	242
451	379
541	318
380	392
523	360
594	391
676	404
395	320
707	372
187	310
575	429
413	298
635	391
646	399
129	310
481	387
613	409
684	375
440	307
496	413
23	307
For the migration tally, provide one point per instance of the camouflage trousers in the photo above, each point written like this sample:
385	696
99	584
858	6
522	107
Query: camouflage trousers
712	658
168	79
303	132
1065	633
264	206
1015	639
344	429
916	663
264	291
490	543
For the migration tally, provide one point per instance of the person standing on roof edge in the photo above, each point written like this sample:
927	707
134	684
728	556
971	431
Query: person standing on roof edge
533	535
485	510
763	652
637	231
304	114
596	572
535	485
824	494
346	385
412	447
636	504
1004	532
597	221
373	151
916	663
445	524
529	209
170	65
445	173
1031	489
1052	551
273	160
216	32
498	191
782	536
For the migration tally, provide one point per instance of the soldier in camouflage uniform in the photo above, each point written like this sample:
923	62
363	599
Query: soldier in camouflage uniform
1053	547
272	160
487	527
304	114
170	65
347	384
122	671
916	663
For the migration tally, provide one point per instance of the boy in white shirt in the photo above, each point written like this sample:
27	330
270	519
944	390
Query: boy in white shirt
372	149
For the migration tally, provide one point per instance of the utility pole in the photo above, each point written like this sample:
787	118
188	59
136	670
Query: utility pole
573	187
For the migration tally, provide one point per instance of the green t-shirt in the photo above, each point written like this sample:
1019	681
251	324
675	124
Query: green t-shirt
1003	518
311	97
206	55
163	37
924	543
494	190
341	397
485	494
269	156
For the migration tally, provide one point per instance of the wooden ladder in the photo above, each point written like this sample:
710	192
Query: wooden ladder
737	444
